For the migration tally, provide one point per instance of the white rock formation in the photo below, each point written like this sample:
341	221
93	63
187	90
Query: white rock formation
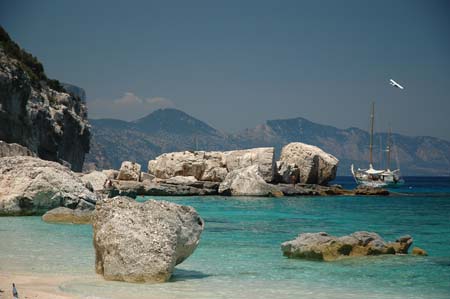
30	186
142	242
213	166
247	182
309	163
263	157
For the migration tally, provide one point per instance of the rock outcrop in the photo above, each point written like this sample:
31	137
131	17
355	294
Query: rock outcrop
142	242
14	149
129	171
366	190
304	163
36	112
213	166
247	182
66	215
181	180
97	179
30	186
149	188
312	190
419	251
321	246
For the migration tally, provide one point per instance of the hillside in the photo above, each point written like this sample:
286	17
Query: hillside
167	130
416	155
163	130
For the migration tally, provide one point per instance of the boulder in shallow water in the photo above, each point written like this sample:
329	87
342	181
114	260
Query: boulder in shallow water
321	246
30	186
142	242
129	171
66	215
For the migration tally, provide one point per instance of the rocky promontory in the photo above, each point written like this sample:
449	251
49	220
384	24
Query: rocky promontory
142	242
37	112
302	170
322	246
32	186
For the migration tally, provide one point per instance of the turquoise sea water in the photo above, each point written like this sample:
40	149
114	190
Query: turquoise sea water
239	254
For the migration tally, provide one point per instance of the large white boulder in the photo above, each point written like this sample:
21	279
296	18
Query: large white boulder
213	166
174	164
263	157
29	185
142	242
247	182
304	163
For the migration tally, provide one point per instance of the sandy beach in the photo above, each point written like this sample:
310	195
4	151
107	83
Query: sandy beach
33	286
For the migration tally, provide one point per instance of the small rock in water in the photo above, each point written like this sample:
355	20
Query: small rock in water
321	246
66	215
419	251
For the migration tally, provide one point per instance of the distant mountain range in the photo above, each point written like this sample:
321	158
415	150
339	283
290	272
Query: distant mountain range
167	130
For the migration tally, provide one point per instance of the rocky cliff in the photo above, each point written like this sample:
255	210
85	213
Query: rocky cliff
37	112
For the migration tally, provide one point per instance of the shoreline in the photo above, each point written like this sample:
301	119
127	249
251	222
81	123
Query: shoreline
36	286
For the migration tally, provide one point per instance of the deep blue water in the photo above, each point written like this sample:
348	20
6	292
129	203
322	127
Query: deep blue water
239	254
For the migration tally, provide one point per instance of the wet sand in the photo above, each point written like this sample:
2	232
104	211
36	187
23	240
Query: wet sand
34	286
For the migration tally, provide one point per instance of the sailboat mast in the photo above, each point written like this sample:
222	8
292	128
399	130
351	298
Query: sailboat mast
372	115
388	149
380	164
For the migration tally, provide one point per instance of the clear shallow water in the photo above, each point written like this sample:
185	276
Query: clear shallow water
239	255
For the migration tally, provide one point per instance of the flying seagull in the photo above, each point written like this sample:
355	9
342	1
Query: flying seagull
395	84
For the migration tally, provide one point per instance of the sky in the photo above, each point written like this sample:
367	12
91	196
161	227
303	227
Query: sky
236	64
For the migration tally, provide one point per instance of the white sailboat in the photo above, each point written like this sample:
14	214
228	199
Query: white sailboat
377	177
392	178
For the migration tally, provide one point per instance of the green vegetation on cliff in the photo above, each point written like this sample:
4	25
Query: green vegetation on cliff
30	63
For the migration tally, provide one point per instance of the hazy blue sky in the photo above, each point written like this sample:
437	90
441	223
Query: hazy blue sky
235	64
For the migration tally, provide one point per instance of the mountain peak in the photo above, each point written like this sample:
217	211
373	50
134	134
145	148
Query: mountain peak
174	121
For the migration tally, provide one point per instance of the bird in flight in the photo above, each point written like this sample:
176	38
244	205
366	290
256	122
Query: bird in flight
395	84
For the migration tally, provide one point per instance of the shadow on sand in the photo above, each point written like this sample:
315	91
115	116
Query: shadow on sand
183	275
